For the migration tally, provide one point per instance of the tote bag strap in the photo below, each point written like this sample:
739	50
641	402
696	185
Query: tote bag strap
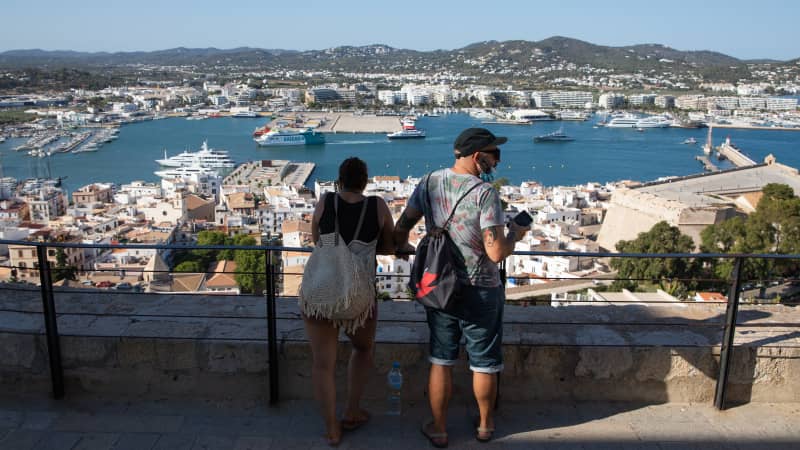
336	219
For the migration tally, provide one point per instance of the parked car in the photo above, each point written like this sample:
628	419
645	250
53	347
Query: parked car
124	286
105	284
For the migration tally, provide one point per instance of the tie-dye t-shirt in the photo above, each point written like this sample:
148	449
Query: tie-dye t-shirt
479	210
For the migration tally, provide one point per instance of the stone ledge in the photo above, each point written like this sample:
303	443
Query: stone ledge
215	347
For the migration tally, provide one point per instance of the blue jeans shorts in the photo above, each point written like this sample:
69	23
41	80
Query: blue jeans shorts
478	316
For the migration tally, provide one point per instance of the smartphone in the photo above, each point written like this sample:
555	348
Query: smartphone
523	219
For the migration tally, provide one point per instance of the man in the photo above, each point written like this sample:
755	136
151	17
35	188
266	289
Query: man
478	230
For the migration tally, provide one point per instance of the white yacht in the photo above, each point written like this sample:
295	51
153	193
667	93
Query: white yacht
185	172
535	115
205	157
573	115
407	133
654	122
634	121
625	121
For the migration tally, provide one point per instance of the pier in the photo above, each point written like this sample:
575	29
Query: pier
736	157
707	164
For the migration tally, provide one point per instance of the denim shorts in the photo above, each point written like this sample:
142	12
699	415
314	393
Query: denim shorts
478	316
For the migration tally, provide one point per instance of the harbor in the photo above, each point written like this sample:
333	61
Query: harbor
596	154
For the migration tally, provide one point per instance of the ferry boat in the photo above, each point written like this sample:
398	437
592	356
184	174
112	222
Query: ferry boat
409	131
244	114
261	131
205	157
290	136
185	171
555	136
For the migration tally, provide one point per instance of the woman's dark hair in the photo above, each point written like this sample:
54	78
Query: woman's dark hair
353	175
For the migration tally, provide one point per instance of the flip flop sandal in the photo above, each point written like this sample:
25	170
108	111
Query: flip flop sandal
484	434
438	440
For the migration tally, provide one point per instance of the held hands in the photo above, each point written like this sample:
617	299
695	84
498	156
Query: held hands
403	251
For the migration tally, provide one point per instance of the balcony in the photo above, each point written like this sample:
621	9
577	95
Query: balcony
598	373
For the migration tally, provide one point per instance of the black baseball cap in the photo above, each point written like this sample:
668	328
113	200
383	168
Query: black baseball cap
472	140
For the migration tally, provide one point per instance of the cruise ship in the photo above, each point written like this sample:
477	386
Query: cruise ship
185	172
290	136
205	157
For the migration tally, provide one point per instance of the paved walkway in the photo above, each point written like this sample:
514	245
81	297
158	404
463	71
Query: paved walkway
88	424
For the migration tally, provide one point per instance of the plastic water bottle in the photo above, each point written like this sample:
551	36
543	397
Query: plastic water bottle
395	382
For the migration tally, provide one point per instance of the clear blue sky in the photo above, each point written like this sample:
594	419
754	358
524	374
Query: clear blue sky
740	28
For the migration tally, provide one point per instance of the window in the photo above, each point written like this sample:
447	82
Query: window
51	253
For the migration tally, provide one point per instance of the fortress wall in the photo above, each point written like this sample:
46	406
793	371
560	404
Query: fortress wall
632	212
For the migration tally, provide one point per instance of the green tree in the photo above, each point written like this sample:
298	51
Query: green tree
250	266
669	273
63	271
497	184
190	266
774	227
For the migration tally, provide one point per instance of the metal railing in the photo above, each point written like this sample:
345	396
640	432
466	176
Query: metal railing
271	274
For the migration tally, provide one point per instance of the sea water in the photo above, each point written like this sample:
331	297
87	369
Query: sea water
597	153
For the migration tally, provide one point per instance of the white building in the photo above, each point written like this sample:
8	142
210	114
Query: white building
610	100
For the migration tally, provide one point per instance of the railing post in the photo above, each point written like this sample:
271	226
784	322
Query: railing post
272	333
50	323
726	350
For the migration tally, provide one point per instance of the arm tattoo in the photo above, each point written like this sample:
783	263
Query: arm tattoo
489	237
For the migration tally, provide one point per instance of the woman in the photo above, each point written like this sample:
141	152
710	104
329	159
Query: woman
376	230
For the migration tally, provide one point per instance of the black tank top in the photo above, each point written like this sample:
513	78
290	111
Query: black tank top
348	219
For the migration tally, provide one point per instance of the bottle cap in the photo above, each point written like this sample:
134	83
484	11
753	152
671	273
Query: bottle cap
396	365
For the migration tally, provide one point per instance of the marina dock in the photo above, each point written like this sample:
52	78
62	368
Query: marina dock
707	164
347	122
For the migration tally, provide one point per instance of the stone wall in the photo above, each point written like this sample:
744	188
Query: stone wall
215	347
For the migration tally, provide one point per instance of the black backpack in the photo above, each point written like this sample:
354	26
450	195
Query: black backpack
439	270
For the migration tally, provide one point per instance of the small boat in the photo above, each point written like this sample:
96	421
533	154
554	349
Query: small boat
555	136
640	129
407	133
690	141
